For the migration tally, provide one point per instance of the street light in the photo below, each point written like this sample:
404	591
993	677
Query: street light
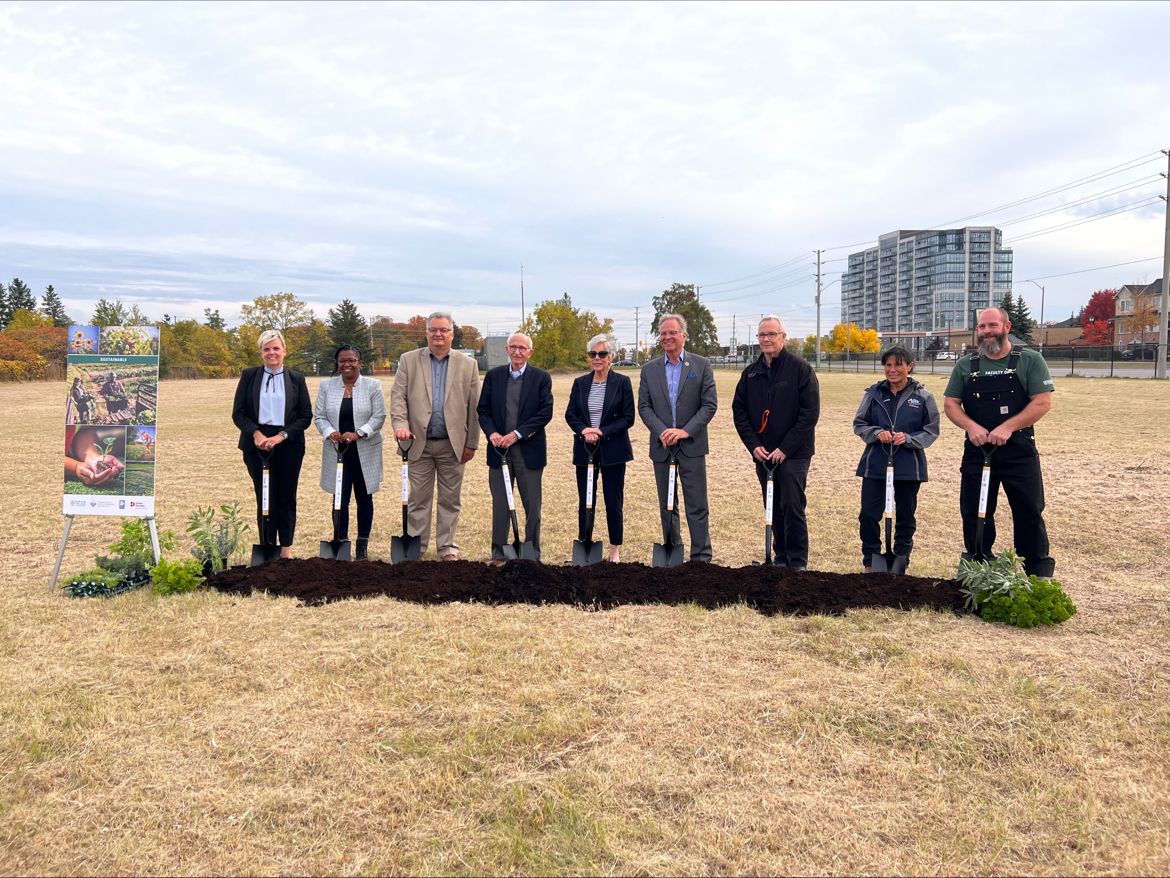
1042	331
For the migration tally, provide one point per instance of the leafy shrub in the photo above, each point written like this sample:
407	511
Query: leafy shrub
999	591
1045	603
21	361
176	577
134	543
216	540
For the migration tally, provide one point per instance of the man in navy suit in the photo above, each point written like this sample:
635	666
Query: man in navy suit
515	404
676	401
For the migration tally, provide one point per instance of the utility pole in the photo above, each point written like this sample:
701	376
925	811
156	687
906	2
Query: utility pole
817	364
1164	310
733	348
522	314
1041	313
637	337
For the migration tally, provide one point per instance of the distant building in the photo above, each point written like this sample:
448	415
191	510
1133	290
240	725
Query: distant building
920	288
1136	309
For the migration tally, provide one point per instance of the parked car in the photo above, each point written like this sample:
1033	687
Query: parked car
946	355
626	363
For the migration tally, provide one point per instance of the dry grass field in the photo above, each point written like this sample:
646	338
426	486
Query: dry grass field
211	734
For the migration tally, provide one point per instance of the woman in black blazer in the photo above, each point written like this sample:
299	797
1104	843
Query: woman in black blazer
272	410
600	413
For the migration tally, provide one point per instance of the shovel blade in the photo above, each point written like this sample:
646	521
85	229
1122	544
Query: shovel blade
509	552
404	548
668	555
529	552
262	554
881	563
586	553
901	562
335	550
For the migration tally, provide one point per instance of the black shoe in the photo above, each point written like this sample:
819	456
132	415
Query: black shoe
361	550
797	565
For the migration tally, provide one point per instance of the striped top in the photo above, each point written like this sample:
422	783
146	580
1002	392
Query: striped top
596	399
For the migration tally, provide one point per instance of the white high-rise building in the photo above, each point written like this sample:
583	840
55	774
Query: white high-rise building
915	286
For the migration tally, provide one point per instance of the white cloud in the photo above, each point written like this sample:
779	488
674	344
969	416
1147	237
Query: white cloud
368	149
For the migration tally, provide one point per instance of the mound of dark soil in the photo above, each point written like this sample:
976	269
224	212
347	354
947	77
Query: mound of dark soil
768	590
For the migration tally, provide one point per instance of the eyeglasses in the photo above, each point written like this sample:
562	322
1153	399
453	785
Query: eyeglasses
517	347
598	355
670	333
766	336
437	331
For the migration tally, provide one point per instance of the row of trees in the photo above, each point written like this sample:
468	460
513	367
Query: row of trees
17	296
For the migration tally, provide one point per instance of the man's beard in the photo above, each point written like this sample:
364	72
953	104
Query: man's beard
993	345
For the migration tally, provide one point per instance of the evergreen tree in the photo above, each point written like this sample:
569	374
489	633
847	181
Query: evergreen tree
213	319
702	337
53	308
347	326
20	296
5	311
1018	315
107	313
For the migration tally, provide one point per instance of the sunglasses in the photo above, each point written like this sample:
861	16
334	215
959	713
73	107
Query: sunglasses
595	354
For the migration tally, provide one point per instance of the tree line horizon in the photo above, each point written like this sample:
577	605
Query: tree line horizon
32	337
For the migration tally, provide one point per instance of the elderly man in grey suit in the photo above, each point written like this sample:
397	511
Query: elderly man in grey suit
676	401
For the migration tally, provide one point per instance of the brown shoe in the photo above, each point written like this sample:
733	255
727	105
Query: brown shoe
497	562
450	557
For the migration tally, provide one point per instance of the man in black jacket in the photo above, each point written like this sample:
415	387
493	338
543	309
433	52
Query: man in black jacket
515	404
776	407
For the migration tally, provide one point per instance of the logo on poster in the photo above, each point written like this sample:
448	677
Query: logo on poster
121	504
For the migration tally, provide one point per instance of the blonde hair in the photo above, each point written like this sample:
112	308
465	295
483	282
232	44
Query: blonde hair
268	335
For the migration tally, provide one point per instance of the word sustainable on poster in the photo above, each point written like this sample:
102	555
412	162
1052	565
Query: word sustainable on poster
110	416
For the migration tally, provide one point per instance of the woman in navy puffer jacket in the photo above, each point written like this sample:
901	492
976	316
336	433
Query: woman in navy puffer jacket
898	416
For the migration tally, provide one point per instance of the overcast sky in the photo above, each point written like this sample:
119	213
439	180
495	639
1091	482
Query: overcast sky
410	156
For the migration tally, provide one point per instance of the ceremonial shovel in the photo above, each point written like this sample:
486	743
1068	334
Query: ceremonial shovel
264	551
769	490
984	484
525	550
405	547
336	549
588	552
669	554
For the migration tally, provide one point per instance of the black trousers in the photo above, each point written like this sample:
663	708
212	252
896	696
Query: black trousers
789	526
1024	485
613	489
873	508
284	472
352	481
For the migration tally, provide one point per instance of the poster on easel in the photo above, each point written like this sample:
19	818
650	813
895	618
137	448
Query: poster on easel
111	413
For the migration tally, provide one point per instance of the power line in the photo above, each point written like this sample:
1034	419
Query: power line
1116	190
1094	218
1086	270
756	274
1100	175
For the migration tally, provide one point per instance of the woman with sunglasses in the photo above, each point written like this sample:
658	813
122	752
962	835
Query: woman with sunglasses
600	413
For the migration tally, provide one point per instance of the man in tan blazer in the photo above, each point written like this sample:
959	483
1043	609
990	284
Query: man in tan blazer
433	405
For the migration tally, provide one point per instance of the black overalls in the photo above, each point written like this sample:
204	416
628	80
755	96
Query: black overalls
989	399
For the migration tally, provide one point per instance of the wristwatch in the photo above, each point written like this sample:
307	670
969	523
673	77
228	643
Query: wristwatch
284	434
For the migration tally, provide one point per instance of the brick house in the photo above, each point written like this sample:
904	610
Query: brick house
1137	299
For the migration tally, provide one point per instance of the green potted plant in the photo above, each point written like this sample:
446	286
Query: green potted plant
132	555
217	537
1000	591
